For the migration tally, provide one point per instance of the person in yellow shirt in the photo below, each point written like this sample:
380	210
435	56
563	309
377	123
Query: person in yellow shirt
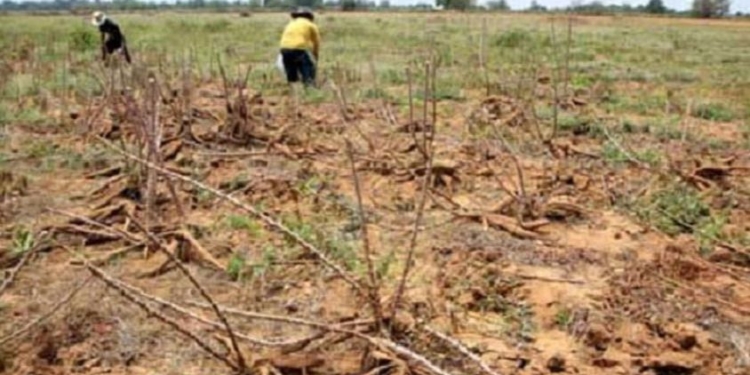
300	47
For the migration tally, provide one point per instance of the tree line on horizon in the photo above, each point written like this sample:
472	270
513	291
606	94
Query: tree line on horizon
700	8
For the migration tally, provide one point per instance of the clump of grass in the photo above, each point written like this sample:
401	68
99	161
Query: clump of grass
614	155
81	39
236	267
217	26
23	240
513	39
713	111
563	317
240	222
676	209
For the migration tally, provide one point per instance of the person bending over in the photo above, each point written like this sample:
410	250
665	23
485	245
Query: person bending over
300	47
113	40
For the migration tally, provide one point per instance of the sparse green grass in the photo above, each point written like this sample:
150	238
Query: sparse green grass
563	317
713	111
244	223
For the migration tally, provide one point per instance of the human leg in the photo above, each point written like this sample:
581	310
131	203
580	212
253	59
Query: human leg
307	67
291	65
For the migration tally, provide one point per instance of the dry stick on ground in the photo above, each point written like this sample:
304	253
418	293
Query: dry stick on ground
253	211
55	308
382	343
417	221
169	321
125	235
13	272
204	293
374	287
141	294
461	348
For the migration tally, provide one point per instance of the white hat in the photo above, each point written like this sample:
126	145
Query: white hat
98	18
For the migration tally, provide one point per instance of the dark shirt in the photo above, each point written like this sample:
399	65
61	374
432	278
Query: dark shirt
112	30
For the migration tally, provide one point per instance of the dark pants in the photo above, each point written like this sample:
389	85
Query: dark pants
298	62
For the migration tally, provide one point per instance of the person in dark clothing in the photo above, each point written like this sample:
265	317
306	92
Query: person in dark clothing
113	41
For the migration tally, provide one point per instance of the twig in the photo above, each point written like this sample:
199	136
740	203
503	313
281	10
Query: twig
125	235
383	343
204	293
11	276
55	308
417	221
374	287
258	214
158	315
140	293
462	348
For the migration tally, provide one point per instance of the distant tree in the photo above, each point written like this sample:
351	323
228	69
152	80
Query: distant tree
455	4
498	5
656	7
711	8
307	3
385	4
535	7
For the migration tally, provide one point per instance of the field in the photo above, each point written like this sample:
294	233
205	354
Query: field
463	194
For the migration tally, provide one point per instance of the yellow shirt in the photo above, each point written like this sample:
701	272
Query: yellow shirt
301	33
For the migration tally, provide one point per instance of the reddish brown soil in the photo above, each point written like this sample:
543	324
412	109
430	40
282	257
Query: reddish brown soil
591	292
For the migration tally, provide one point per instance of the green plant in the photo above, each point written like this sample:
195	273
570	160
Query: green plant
713	112
239	222
513	39
23	240
563	317
81	39
236	267
268	258
383	264
676	209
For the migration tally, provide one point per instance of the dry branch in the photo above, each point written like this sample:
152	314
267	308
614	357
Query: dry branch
55	308
462	348
11	275
141	294
374	287
382	343
204	293
429	158
168	321
258	214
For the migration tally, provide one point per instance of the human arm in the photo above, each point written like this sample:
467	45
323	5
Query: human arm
315	37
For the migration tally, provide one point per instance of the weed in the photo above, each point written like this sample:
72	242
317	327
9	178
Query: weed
314	96
81	39
713	111
616	156
563	317
676	209
311	186
342	250
239	222
23	240
383	264
709	230
236	267
513	39
268	258
217	26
